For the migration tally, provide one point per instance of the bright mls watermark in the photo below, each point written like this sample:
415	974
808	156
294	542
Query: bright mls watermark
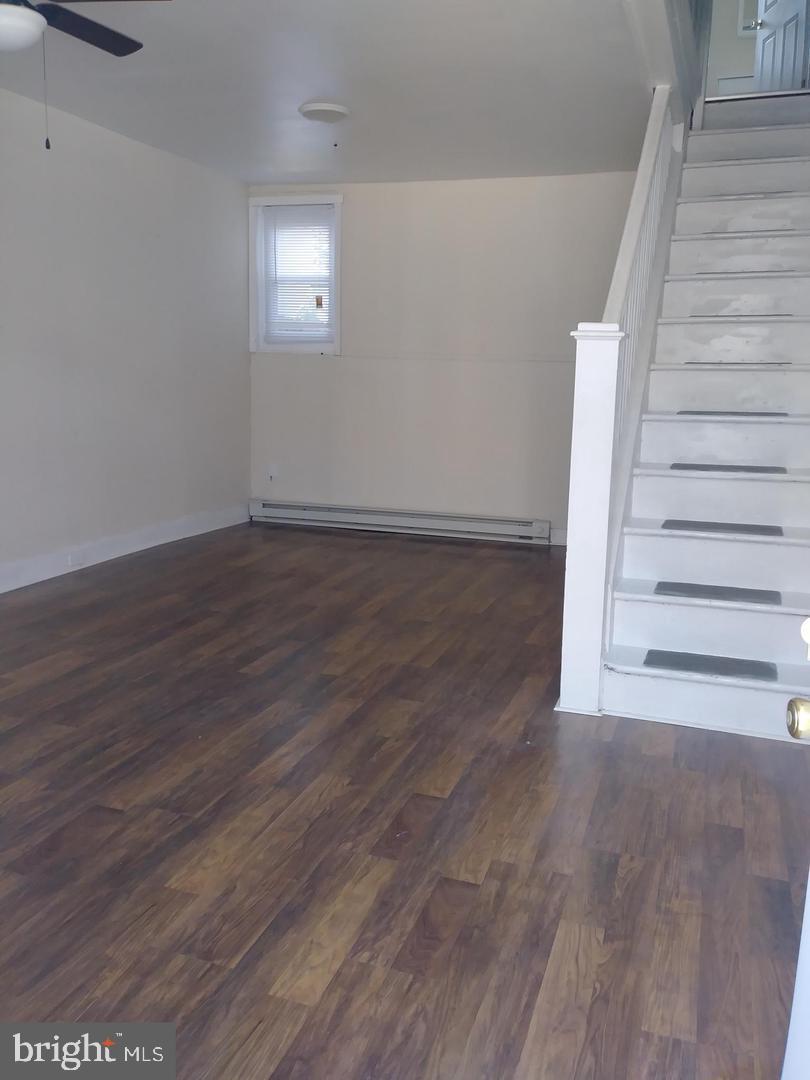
45	1051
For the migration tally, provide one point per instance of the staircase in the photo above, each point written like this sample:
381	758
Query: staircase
713	574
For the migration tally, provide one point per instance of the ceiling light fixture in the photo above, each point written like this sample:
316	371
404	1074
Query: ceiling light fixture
20	27
327	112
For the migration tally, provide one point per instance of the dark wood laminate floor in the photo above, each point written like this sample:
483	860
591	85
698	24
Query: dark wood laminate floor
305	795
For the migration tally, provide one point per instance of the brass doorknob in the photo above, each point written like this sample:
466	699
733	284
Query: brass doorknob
798	718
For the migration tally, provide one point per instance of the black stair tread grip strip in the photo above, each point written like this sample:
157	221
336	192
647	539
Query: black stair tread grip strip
692	466
700	664
739	363
684	525
726	412
694	591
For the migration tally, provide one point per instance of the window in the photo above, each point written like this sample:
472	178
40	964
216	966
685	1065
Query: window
295	296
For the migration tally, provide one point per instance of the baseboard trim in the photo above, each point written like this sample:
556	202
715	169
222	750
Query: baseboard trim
21	572
716	729
533	531
570	711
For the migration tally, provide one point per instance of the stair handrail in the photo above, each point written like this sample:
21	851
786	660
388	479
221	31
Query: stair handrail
612	362
640	199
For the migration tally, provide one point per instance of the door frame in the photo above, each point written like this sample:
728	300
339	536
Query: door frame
703	47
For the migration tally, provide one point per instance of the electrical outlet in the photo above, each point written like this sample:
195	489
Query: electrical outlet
272	472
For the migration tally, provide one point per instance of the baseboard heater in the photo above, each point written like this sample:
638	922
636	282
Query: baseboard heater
461	526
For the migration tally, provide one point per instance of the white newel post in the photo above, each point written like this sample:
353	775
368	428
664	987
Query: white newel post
592	443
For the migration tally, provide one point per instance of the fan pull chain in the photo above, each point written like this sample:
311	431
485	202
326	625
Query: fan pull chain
45	95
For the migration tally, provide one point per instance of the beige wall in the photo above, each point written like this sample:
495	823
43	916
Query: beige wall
454	388
124	377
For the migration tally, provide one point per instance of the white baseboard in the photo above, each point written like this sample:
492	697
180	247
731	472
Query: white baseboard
21	572
576	712
535	531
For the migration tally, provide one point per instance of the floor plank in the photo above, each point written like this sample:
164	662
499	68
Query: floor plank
306	795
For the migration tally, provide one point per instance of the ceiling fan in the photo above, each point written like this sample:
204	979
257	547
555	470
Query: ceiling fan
22	24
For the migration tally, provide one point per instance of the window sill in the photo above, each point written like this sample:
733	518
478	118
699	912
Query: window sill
296	349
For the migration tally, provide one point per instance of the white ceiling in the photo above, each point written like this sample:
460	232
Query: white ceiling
438	89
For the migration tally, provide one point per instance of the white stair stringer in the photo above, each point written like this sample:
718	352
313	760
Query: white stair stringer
713	571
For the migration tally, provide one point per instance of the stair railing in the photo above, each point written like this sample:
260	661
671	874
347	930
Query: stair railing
612	362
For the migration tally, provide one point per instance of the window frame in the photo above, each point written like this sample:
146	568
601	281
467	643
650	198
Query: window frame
258	291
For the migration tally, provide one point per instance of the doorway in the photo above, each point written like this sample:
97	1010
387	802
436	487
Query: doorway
757	47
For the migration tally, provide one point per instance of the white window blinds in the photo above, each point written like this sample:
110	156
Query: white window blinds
298	295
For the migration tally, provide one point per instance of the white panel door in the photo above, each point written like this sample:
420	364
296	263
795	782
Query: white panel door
780	45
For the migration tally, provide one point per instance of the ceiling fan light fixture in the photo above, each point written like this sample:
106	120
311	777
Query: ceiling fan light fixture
20	27
327	112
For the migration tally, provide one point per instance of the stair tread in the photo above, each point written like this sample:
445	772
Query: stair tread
723	593
746	528
725	418
788	475
711	132
701	664
727	468
735	275
727	412
751	195
692	594
720	596
746	320
688	366
790	678
789	160
702	530
746	234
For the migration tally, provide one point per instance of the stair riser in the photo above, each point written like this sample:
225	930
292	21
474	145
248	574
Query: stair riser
733	343
737	296
705	561
715	631
749	391
737	145
715	706
743	215
729	443
745	254
746	179
753	112
752	502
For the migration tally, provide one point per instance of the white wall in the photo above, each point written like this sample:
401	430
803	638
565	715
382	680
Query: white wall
454	390
124	373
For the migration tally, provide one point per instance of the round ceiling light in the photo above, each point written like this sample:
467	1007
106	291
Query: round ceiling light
20	27
328	112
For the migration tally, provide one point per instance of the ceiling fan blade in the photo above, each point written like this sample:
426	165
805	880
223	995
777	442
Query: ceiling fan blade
88	30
